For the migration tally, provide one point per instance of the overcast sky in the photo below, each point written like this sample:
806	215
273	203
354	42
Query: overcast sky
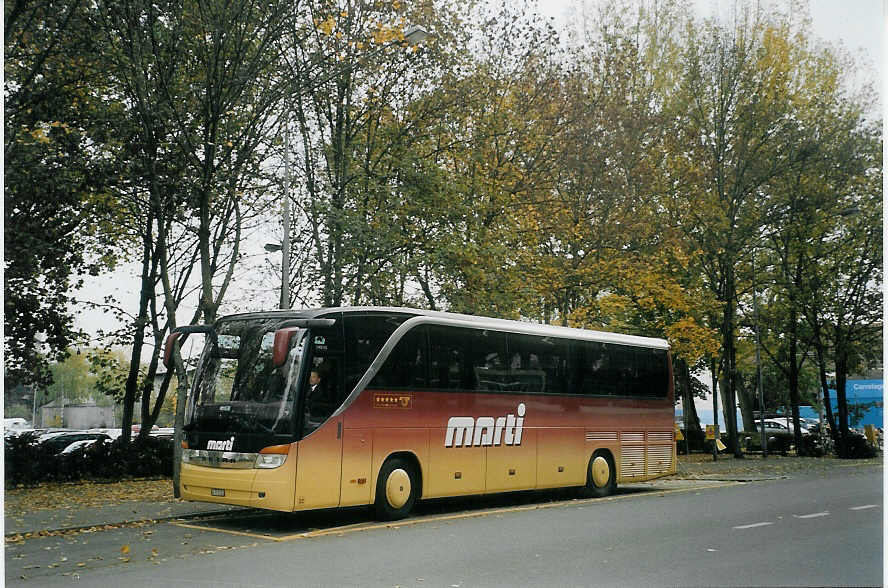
857	25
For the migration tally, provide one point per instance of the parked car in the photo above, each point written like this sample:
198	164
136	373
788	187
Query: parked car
780	425
16	424
162	432
58	442
82	444
113	433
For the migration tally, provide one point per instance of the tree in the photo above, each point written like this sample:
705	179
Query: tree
736	114
846	309
359	119
201	86
501	147
57	119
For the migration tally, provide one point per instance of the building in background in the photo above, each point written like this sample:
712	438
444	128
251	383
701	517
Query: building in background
76	415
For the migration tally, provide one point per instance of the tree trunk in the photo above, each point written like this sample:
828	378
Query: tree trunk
149	416
746	395
181	389
694	436
824	384
147	290
841	378
730	352
715	392
794	379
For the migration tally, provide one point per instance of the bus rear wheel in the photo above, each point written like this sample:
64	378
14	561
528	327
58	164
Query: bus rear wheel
601	476
396	489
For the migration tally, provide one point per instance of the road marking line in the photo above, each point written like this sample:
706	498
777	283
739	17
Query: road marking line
753	525
812	515
865	506
229	531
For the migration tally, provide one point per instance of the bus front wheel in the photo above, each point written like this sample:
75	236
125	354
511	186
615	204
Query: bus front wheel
396	489
601	476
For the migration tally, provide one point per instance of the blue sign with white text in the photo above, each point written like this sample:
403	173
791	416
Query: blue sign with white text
864	399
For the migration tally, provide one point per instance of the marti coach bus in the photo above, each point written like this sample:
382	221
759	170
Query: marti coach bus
296	410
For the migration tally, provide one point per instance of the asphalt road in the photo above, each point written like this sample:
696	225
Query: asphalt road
810	530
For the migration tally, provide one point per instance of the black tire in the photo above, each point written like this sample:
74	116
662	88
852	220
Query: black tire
601	475
397	488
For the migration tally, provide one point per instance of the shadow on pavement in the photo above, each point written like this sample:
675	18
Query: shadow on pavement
275	525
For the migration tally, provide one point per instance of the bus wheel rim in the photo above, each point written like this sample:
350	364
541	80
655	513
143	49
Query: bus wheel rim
600	472
397	488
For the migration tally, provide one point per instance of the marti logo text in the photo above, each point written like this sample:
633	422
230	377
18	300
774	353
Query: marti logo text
225	445
485	431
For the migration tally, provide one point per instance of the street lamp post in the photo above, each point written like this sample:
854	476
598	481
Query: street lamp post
34	400
285	242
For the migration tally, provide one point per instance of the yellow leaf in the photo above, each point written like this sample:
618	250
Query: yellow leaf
125	549
326	27
40	135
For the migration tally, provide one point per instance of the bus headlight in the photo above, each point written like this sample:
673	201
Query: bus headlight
268	461
272	457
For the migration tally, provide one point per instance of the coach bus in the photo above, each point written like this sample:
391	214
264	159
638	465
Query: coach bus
337	407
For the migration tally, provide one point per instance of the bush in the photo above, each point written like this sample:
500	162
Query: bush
811	447
28	463
855	447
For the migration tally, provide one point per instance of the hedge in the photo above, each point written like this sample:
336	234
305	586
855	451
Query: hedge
29	463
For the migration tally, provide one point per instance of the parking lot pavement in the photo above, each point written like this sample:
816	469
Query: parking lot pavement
55	520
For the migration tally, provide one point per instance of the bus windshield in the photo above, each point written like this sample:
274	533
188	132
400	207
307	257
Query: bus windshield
238	388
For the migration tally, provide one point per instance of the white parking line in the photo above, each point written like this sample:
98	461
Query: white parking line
812	515
753	525
865	506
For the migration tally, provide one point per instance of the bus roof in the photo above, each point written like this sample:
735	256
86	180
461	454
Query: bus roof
466	320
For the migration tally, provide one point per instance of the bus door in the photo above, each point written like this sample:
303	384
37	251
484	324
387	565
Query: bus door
320	450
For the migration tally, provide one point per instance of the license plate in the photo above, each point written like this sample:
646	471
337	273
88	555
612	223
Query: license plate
218	492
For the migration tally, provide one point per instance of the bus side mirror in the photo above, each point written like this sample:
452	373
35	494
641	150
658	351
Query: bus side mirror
168	348
282	345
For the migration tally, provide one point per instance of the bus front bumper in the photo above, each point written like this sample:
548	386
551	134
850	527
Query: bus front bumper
272	489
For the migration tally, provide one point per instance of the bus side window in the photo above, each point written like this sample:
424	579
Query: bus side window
407	363
364	337
486	351
595	366
653	372
446	347
322	393
539	365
